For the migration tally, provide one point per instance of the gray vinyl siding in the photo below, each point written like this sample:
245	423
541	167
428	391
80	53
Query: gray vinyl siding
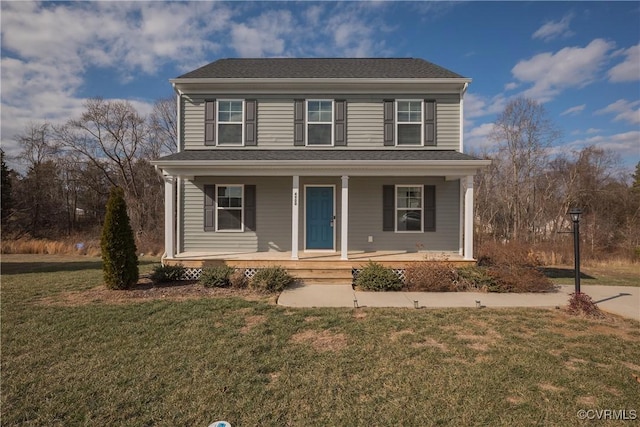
364	124
193	123
364	121
365	216
275	123
273	213
273	216
447	122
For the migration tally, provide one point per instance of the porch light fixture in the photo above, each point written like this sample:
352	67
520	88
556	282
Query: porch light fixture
574	213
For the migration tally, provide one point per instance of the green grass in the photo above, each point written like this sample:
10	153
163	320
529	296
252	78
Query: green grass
251	363
606	274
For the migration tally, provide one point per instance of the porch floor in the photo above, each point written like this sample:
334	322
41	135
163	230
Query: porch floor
356	258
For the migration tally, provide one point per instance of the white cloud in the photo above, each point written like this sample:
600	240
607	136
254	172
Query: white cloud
511	86
551	73
551	30
629	69
477	138
624	145
480	106
574	110
262	36
628	111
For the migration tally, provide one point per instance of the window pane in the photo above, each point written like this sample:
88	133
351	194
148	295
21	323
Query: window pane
409	220
229	219
319	134
409	135
319	111
230	111
409	111
229	134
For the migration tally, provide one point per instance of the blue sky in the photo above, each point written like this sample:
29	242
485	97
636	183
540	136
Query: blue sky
581	59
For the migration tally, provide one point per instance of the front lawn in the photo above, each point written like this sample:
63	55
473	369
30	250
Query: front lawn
604	274
191	361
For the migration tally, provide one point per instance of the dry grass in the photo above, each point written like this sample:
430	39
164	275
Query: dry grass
165	361
74	245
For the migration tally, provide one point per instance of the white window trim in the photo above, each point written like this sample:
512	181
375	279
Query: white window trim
397	122
331	124
242	124
215	203
395	212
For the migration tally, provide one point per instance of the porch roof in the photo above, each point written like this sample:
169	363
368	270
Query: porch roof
305	161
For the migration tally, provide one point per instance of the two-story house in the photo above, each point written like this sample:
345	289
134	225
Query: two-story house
319	156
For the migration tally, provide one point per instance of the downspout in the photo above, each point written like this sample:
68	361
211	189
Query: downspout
462	190
178	184
462	92
178	118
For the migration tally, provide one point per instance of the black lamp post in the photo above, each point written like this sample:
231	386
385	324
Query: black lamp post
575	217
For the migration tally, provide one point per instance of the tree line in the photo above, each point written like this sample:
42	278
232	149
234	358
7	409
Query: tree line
523	196
69	170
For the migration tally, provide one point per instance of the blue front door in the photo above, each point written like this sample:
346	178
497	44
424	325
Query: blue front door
319	217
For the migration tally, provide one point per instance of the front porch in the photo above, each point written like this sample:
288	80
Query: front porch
314	267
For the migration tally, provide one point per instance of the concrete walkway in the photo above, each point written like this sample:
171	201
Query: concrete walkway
621	300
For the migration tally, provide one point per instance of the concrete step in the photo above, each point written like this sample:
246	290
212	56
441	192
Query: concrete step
326	281
303	273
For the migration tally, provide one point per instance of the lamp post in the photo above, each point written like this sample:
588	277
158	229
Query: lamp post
575	217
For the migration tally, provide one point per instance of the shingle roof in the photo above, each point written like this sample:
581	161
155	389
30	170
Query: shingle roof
278	68
251	155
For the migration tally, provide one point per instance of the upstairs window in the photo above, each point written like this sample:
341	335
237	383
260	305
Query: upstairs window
409	122
230	115
319	122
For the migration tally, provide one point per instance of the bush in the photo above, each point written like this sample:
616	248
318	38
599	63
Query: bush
518	279
512	254
582	304
238	279
271	279
167	273
475	278
119	260
431	277
375	277
217	277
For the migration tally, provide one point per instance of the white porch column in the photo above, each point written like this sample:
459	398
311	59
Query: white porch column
468	219
169	216
344	220
295	212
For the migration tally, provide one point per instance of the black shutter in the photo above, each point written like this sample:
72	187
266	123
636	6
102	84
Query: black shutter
210	122
389	122
251	122
341	123
298	122
209	208
429	208
250	207
429	122
388	207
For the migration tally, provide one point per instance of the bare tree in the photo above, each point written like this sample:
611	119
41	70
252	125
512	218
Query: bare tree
523	132
112	137
163	128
